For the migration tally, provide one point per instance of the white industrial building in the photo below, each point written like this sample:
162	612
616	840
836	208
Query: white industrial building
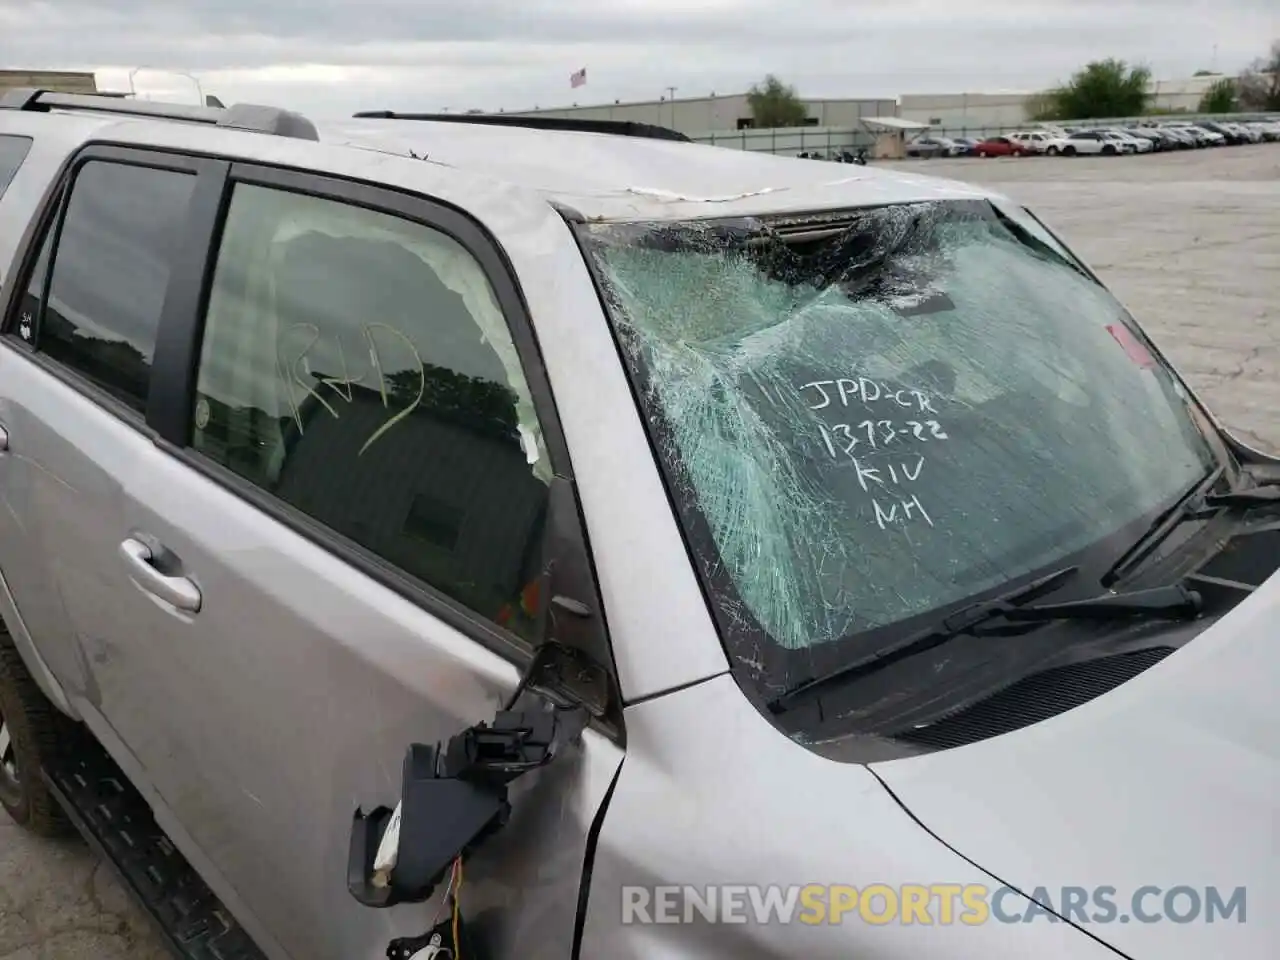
64	81
704	114
727	119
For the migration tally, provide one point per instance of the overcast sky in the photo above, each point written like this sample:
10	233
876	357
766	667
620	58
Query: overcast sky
330	57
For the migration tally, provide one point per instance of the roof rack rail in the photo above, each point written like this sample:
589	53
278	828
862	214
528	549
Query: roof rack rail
238	116
621	128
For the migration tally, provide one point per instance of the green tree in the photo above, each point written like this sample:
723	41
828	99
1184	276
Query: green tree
1220	97
1259	86
1104	88
774	104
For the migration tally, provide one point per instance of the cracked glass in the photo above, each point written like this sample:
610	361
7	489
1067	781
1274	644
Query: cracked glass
869	415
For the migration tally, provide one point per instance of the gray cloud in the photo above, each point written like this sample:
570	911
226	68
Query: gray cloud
332	55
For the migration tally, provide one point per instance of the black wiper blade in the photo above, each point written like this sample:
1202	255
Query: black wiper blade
1172	602
1188	507
959	622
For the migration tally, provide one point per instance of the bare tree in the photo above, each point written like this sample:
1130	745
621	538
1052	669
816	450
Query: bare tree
1259	86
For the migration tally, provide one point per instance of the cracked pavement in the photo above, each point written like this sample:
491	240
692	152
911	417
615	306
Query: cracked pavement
57	902
1189	241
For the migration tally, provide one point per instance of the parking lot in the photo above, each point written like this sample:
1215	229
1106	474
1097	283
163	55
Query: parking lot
1190	241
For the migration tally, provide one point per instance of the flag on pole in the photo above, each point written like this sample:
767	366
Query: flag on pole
578	79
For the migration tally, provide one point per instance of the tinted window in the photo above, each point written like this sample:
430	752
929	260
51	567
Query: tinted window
13	150
110	272
358	367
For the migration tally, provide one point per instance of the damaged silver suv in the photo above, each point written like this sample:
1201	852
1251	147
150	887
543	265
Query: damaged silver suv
493	538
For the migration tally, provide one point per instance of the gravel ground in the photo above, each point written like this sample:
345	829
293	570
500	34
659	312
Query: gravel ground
1190	241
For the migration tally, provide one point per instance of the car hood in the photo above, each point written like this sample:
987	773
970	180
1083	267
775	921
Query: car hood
1170	780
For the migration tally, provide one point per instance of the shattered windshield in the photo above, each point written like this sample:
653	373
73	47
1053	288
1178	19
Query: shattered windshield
868	416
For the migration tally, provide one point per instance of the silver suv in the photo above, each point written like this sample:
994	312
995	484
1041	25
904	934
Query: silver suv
488	537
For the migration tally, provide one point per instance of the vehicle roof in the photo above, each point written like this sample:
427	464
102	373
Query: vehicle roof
602	177
607	177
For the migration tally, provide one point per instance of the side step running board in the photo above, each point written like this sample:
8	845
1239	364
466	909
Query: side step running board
117	822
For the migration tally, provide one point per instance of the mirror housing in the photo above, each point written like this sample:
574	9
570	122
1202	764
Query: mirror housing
452	800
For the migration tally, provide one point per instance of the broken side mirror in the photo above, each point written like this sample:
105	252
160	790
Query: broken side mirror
452	800
454	796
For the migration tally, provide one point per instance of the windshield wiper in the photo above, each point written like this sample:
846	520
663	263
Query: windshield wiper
958	622
1172	602
1190	506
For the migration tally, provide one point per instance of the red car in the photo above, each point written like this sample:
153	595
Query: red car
1000	147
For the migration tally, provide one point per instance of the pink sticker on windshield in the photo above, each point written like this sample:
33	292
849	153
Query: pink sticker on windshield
1131	345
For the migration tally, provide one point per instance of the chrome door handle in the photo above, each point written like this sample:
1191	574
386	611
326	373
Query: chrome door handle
179	591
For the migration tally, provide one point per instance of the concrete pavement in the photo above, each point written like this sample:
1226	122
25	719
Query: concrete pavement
57	902
1190	241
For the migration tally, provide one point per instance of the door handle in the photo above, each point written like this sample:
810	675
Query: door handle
4	439
179	591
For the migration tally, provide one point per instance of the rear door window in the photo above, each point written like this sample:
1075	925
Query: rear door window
94	298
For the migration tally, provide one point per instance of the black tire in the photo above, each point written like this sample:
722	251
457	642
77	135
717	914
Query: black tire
1108	150
1069	151
1052	151
33	725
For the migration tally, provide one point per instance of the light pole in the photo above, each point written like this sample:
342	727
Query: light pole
192	77
182	73
671	95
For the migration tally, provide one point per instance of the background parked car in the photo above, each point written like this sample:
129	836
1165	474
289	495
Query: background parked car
1034	140
1086	142
1270	131
1207	137
1248	131
1001	147
1185	139
932	147
1157	140
1126	143
968	146
1230	132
